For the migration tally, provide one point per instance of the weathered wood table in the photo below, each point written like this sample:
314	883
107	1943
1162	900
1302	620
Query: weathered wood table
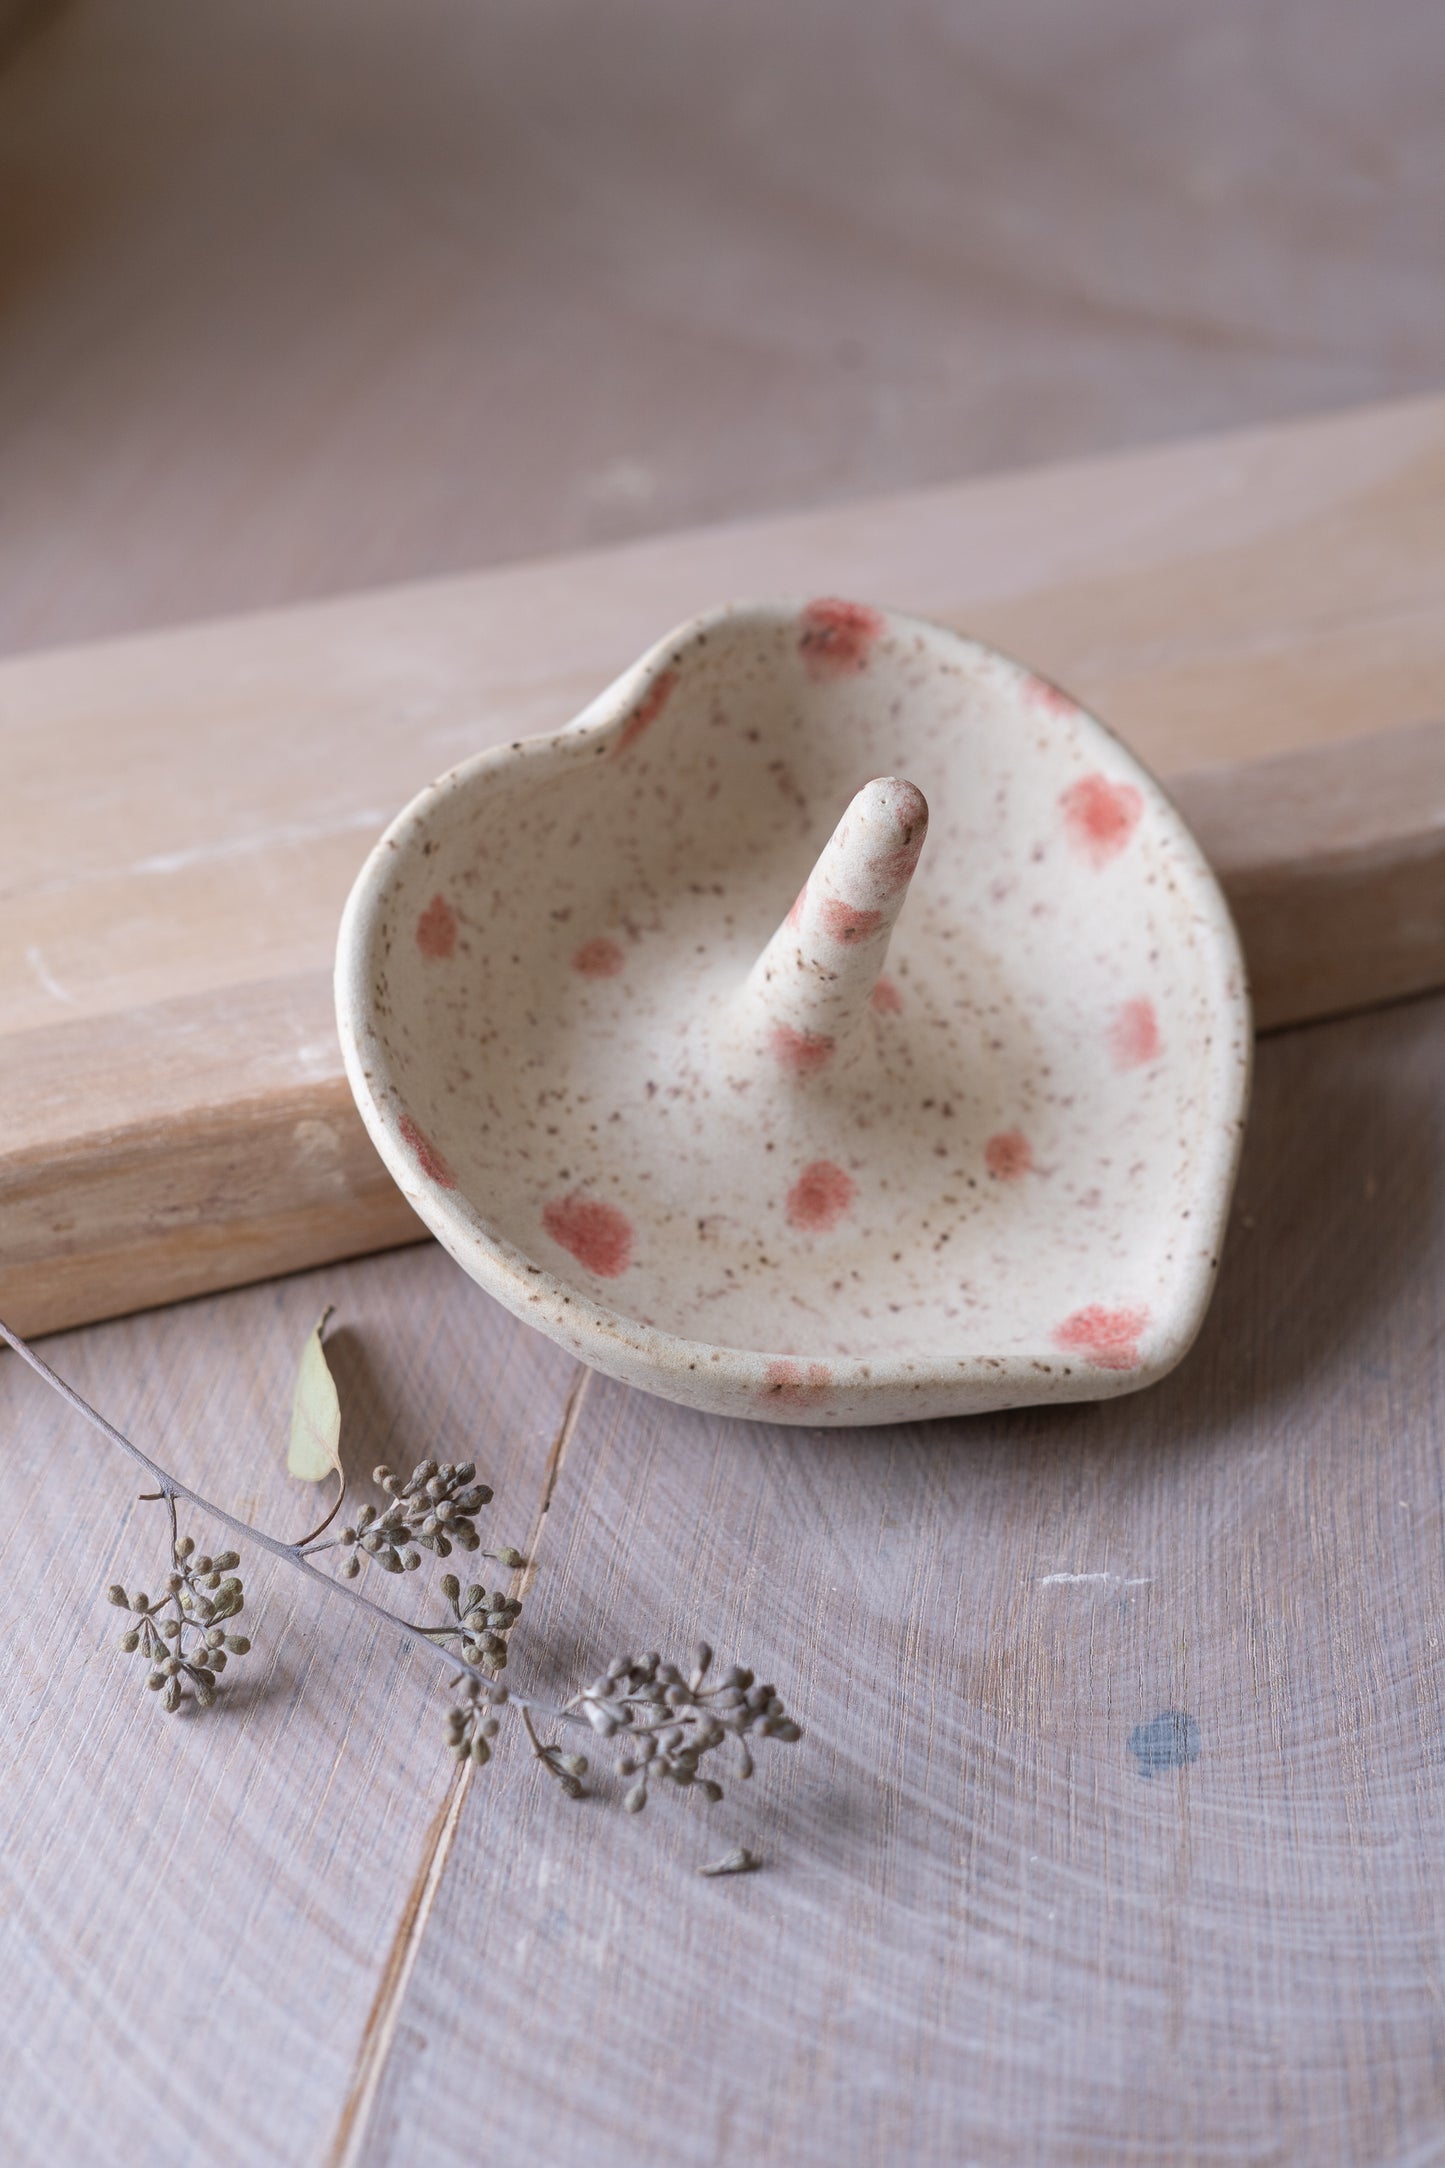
1114	1837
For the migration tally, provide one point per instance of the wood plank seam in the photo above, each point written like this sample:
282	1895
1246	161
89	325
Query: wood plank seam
379	2034
556	1459
385	2011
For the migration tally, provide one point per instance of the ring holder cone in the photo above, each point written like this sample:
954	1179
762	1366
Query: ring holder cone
806	1003
833	1025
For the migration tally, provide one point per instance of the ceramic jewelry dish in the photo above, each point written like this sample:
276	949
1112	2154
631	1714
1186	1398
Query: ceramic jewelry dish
833	1024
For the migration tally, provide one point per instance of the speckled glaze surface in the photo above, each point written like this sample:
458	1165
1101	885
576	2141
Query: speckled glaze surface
834	1024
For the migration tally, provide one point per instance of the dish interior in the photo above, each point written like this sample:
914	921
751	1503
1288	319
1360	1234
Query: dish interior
1031	1128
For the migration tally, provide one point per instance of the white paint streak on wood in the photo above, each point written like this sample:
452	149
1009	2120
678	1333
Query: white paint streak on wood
45	978
1097	1580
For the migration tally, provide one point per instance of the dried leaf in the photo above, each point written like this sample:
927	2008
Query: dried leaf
315	1414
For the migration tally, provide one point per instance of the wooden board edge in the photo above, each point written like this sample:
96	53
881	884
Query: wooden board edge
1333	860
155	1211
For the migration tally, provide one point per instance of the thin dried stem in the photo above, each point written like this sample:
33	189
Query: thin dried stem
305	1542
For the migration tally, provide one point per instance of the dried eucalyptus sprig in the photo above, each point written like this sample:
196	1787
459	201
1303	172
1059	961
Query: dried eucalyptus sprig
483	1621
433	1506
183	1635
667	1720
671	1723
569	1769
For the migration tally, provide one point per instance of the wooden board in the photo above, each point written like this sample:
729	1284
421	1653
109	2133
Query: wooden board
182	814
983	1931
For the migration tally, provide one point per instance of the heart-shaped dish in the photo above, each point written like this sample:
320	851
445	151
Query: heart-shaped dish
708	1141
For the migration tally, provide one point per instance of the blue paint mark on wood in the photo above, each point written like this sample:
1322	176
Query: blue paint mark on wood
1167	1741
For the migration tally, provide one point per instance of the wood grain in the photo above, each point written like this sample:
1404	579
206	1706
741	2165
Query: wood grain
184	812
190	1145
981	1933
984	1933
1334	864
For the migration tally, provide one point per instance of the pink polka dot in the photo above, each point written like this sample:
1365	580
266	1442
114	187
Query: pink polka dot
436	929
795	916
847	925
820	1197
1008	1155
599	958
895	869
1134	1038
645	714
427	1157
886	998
837	638
803	1053
794	1384
1109	1339
1101	816
596	1234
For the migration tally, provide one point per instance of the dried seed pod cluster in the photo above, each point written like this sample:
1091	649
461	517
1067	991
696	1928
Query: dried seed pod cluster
434	1506
669	1721
182	1635
560	1762
673	1720
472	1722
484	1619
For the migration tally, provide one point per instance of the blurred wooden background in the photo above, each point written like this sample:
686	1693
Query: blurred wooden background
297	296
301	295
